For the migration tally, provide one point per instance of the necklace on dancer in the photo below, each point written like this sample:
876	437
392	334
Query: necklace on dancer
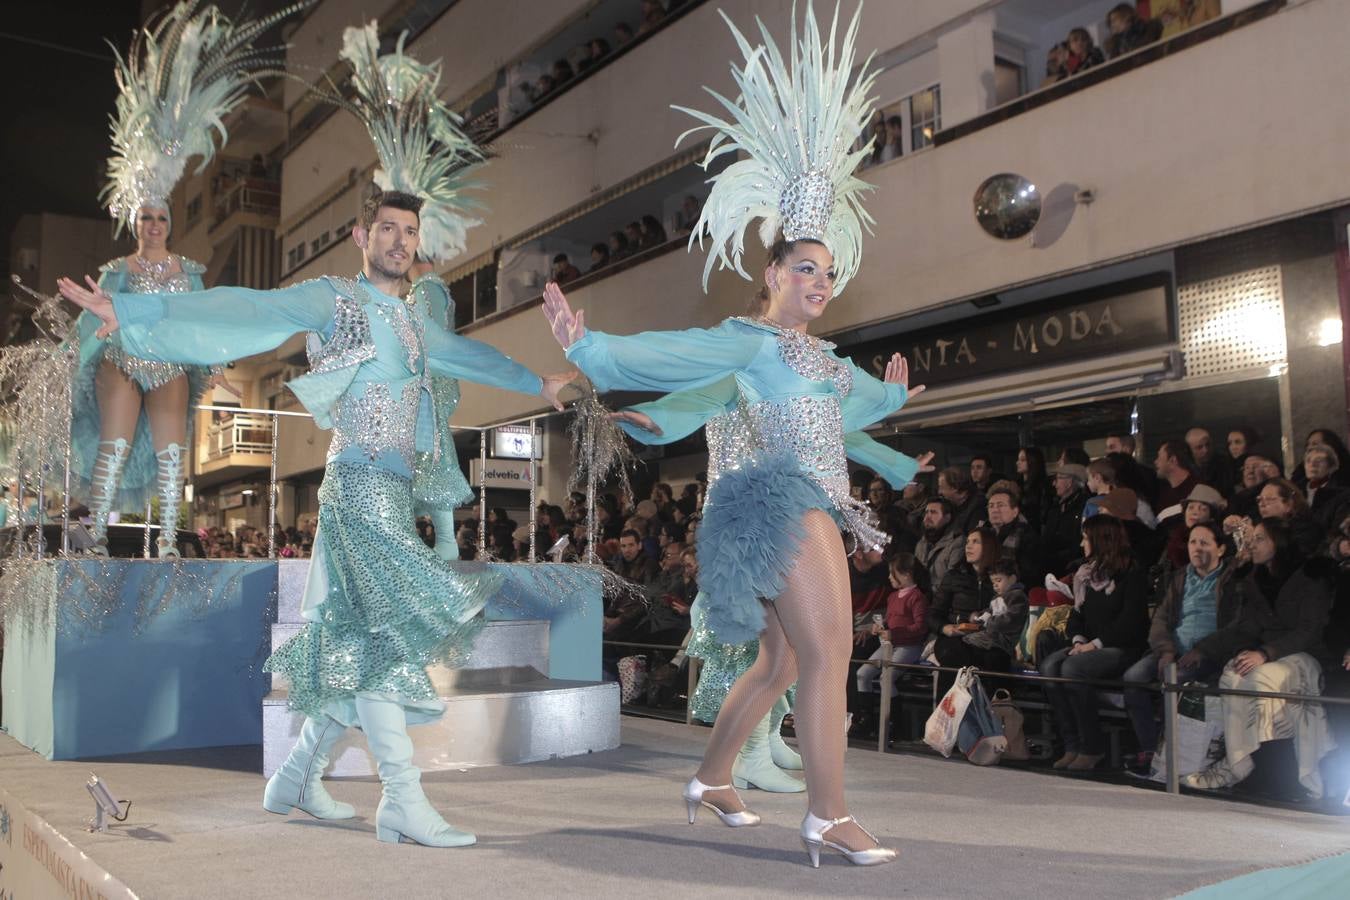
156	270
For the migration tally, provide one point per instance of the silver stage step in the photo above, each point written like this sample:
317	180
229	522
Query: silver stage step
500	707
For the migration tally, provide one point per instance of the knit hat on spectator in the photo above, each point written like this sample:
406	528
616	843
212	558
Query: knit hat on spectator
1122	503
1073	470
1203	493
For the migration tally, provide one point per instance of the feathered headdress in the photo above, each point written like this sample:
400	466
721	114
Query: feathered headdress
796	121
179	80
418	139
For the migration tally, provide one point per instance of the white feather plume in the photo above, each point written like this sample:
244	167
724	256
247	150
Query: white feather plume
180	78
421	146
796	121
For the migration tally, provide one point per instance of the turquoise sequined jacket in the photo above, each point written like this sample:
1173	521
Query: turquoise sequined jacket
372	357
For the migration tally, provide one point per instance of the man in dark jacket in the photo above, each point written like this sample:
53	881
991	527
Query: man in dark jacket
1020	543
967	502
1198	600
1062	535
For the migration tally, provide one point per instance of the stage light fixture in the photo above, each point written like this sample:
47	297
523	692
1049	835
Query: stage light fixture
106	806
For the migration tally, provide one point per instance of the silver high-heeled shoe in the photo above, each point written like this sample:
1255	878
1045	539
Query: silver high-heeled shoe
693	799
813	838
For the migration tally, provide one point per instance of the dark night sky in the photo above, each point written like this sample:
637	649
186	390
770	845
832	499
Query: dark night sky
56	126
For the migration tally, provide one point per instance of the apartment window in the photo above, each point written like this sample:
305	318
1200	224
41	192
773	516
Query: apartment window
1009	80
925	116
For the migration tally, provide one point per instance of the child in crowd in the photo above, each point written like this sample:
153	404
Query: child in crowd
905	624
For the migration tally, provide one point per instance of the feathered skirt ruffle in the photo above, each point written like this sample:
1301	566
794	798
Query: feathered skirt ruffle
749	541
139	476
381	605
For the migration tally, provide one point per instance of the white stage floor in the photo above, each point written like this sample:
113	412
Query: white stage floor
612	825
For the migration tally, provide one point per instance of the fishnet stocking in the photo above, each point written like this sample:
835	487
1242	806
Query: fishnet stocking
808	638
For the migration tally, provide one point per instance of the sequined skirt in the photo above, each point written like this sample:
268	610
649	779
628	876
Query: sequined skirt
387	605
723	664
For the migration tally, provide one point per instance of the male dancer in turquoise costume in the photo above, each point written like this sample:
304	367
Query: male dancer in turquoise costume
380	605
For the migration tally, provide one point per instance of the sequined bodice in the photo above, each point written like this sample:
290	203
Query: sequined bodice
374	416
810	427
146	283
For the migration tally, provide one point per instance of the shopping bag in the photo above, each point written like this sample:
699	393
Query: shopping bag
980	736
1013	723
945	723
1199	739
632	678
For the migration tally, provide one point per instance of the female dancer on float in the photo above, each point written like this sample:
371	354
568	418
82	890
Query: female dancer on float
770	530
131	417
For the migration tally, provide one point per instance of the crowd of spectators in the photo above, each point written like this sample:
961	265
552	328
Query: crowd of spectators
1108	569
248	542
636	237
1129	26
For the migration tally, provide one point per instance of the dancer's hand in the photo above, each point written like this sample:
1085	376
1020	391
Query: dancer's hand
897	372
553	385
92	299
925	461
641	420
568	327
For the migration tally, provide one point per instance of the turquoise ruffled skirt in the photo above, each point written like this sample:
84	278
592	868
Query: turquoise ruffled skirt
381	605
438	484
749	541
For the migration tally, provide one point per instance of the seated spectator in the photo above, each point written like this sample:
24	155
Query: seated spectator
543	87
633	231
1083	52
906	621
652	232
1176	16
619	247
1242	441
1109	632
1056	64
623	33
876	134
1199	598
652	14
943	544
1327	500
879	497
562	72
1279	498
632	563
968	504
599	257
666	618
1076	456
1061	535
1211	468
895	137
687	217
1128	31
1018	541
599	48
1122	505
1121	443
1203	505
982	472
1257	469
964	593
1274	644
992	643
563	270
1327	438
1175	467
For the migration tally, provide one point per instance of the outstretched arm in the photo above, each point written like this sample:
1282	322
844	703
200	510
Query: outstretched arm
455	356
892	465
677	415
206	327
652	361
872	400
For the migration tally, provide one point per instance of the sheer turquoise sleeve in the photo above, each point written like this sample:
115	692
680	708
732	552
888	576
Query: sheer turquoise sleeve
680	414
220	324
455	356
892	465
196	281
664	360
870	401
432	293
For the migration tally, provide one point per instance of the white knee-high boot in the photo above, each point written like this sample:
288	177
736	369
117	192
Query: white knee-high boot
404	810
298	784
106	478
171	478
447	548
754	765
784	757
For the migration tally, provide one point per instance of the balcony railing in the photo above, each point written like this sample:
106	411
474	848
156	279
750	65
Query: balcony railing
249	194
239	433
